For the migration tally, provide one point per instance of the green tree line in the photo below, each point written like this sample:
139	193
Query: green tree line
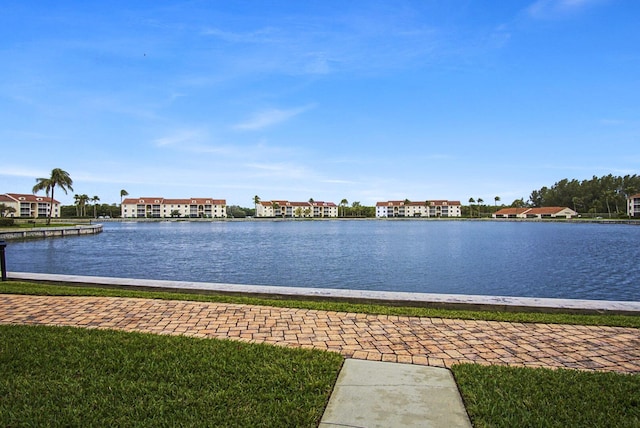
606	194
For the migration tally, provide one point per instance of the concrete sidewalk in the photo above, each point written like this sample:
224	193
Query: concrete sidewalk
378	394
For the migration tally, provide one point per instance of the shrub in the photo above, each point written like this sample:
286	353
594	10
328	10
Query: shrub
4	222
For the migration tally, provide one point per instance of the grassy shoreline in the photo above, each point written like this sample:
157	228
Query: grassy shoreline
22	287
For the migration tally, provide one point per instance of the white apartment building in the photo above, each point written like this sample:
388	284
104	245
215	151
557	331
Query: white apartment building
633	205
436	208
315	209
158	207
27	205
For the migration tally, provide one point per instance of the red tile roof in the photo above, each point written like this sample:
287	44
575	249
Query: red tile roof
323	204
545	210
532	211
27	197
511	211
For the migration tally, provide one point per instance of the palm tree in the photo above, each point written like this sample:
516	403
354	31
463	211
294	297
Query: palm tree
275	207
84	198
76	200
123	193
471	202
95	199
608	194
344	204
256	201
480	202
495	202
6	209
58	178
426	208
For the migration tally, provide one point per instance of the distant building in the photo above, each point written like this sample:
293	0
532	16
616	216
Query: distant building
31	206
542	212
315	209
436	208
158	207
633	205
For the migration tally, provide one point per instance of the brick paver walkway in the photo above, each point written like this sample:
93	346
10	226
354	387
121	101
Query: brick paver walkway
426	341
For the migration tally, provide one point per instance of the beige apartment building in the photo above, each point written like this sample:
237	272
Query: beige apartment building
158	207
29	206
435	208
283	208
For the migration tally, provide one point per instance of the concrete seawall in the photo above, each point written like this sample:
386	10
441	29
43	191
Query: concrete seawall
48	232
441	301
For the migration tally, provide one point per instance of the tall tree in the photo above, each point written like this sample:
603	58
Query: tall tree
480	202
275	207
495	202
76	200
58	178
471	202
256	201
123	193
518	203
95	200
344	204
84	198
608	195
356	208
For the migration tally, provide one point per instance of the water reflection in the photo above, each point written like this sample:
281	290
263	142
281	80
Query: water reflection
586	261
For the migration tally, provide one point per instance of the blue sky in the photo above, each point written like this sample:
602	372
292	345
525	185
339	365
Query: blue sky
363	100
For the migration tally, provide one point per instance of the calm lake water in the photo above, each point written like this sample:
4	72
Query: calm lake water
566	260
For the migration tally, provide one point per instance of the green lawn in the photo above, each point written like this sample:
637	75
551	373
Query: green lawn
72	377
19	287
54	376
523	397
18	226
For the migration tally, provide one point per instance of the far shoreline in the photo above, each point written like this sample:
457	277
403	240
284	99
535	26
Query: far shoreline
428	219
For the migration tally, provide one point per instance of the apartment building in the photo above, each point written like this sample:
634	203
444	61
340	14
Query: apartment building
28	205
633	205
158	207
435	208
283	208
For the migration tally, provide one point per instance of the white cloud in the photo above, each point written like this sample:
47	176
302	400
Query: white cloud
181	137
263	35
611	122
12	171
266	118
550	9
339	181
